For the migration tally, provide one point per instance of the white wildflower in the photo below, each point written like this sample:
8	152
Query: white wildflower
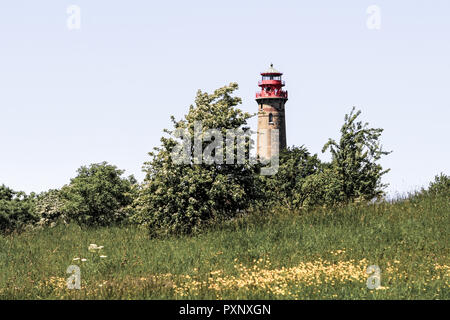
92	247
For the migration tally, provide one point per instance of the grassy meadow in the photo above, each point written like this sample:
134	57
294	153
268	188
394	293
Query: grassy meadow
322	254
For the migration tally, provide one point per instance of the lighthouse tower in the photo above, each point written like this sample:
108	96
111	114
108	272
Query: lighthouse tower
271	100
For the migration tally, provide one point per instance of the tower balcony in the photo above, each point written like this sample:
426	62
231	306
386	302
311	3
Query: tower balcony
272	94
271	82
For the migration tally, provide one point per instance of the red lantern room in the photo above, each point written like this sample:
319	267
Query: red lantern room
271	85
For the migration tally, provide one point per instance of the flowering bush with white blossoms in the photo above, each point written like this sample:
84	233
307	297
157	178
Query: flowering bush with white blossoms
182	198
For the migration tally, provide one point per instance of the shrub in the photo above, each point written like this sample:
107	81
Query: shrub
97	196
303	181
16	210
285	187
50	207
322	188
440	185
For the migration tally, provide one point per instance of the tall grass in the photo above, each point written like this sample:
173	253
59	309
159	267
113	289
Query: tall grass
278	254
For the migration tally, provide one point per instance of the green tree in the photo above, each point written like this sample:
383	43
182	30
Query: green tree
354	160
98	195
180	198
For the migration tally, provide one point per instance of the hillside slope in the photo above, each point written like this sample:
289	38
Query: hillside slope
274	255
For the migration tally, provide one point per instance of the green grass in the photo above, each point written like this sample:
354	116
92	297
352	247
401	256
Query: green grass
297	252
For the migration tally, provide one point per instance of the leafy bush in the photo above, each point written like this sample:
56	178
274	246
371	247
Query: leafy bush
303	181
50	207
322	188
97	196
285	187
440	185
182	198
16	210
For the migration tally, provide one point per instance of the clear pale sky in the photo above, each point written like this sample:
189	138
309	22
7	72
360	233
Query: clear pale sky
106	91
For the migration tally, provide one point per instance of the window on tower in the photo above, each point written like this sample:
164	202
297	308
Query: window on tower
271	77
270	118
